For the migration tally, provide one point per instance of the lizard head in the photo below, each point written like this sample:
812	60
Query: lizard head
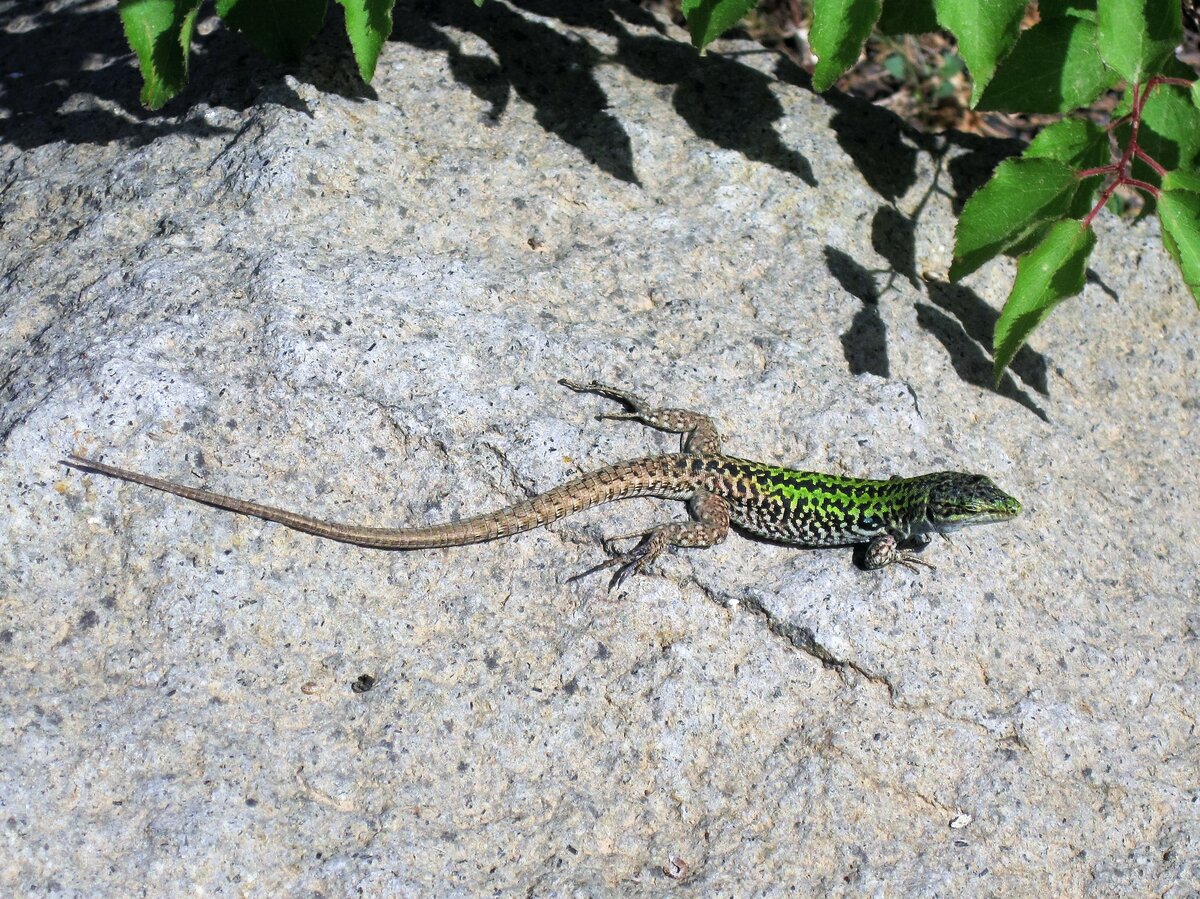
957	499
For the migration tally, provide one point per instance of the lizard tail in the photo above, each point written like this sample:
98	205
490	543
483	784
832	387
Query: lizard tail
663	476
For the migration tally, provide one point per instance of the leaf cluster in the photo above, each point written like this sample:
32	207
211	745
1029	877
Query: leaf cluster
1039	207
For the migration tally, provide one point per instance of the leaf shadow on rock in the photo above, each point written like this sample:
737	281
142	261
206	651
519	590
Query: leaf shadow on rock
961	321
723	101
1094	278
864	344
972	363
552	72
70	76
971	170
978	321
886	149
732	106
893	236
887	152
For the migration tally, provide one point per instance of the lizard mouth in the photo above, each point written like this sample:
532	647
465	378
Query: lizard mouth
971	519
989	517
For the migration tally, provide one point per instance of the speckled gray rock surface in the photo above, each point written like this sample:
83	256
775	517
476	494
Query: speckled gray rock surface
359	306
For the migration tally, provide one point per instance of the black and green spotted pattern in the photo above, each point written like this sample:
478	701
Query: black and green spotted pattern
808	508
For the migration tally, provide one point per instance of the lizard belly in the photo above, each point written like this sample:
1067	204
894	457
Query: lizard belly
775	518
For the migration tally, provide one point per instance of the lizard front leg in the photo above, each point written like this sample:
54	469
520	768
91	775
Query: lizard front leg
700	434
884	550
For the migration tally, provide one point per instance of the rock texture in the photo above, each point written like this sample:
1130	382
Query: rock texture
358	304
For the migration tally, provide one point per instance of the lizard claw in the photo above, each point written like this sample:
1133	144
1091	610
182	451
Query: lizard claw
910	561
627	563
588	387
607	563
627	568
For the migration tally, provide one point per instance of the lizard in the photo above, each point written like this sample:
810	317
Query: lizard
895	518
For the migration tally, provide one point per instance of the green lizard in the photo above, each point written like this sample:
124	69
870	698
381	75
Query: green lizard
797	508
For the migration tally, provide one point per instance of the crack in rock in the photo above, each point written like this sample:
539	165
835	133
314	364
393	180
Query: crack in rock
804	639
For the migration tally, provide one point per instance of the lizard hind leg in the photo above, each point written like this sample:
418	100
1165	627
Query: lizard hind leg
632	562
700	434
710	527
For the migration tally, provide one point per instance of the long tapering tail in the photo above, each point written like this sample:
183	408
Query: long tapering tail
639	477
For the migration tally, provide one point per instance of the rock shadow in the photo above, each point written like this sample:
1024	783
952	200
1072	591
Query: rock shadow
552	72
864	344
970	360
722	101
978	321
70	76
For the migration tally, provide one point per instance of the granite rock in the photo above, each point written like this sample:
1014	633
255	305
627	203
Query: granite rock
357	304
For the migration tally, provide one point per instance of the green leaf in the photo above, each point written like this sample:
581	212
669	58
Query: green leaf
1196	93
1081	145
160	33
281	30
1182	179
1137	36
908	17
1022	195
707	20
839	30
1076	142
1179	215
1172	68
1170	129
1048	274
951	66
368	24
986	31
1054	67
